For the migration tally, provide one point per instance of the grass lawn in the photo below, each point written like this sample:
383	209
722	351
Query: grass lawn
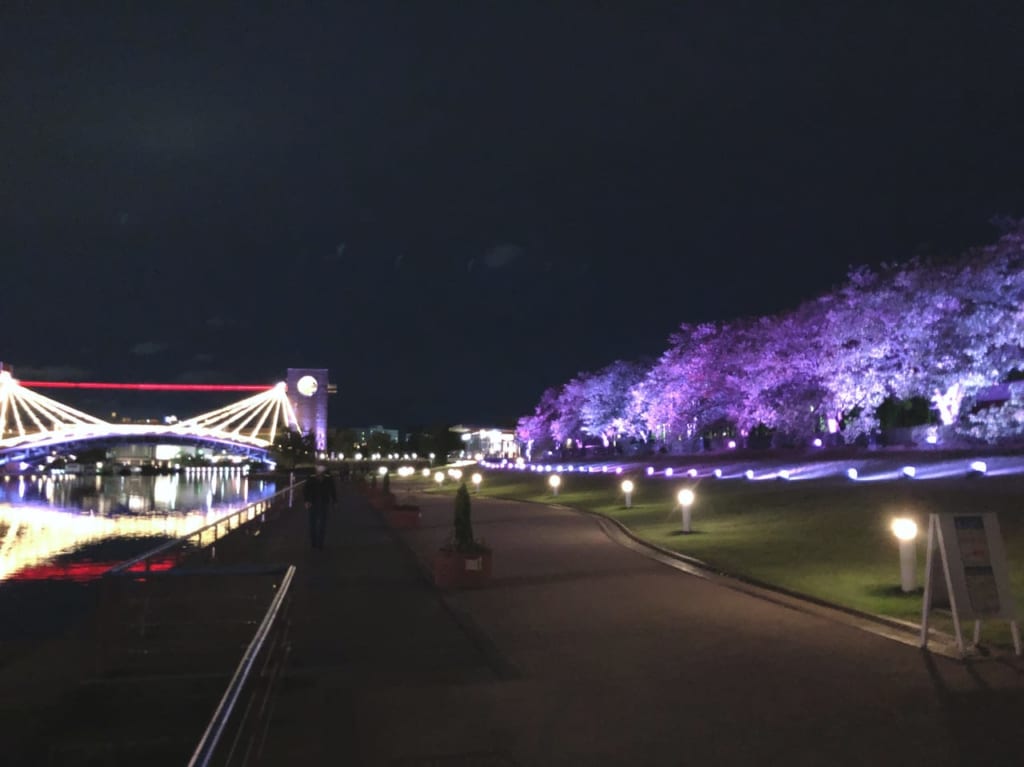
829	539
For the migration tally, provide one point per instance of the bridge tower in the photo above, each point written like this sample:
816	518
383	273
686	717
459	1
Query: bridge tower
308	389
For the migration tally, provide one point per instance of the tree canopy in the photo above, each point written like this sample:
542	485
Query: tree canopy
941	331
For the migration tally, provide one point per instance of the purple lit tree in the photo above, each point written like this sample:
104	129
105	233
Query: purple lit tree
904	331
605	399
534	431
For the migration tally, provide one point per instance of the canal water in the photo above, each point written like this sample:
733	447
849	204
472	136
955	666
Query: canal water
76	527
59	534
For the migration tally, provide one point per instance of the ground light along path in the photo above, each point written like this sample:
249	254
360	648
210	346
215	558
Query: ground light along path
830	539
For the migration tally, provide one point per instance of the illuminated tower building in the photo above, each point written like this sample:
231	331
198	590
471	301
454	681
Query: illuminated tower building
308	389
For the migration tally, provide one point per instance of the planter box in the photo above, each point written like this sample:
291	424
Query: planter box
382	501
402	518
457	570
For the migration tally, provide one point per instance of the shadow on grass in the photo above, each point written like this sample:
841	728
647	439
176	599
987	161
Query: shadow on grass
681	534
883	590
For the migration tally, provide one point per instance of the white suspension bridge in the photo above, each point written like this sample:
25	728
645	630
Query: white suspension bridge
31	423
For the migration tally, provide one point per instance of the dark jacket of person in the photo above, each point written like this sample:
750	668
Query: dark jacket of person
319	492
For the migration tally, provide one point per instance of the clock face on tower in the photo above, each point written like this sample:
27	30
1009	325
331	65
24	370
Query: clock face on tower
307	386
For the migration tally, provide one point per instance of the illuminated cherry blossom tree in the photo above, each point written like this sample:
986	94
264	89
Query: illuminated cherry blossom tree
916	329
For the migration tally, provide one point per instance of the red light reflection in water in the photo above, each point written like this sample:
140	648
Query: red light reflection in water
85	571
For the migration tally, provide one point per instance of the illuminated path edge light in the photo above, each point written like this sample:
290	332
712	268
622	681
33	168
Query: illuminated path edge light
686	498
905	530
554	481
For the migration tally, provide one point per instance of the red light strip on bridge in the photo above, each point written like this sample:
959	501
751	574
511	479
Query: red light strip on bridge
143	386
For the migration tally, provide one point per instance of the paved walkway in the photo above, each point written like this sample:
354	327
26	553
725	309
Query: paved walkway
583	652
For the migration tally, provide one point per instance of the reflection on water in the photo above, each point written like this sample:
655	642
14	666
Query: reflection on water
48	526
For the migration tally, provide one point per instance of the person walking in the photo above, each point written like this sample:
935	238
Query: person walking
319	494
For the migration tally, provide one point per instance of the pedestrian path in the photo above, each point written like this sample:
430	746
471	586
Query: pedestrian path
583	652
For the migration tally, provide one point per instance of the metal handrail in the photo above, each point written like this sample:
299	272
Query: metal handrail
255	508
211	737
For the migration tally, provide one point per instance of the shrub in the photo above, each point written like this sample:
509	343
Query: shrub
464	540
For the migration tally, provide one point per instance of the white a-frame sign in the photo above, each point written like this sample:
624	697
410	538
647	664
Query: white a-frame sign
973	573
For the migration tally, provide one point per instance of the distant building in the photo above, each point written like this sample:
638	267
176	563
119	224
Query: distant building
488	442
363	433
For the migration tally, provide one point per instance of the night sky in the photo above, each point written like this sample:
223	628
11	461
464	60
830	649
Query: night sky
454	205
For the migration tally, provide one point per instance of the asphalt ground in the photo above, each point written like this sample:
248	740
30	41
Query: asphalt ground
583	651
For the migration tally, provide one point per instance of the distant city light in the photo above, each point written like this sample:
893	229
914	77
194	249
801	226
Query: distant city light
852	473
979	467
717	473
909	472
650	471
668	472
817	441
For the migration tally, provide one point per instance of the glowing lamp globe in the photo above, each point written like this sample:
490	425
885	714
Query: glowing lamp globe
627	486
382	470
426	472
650	470
686	497
554	480
439	478
905	529
477	479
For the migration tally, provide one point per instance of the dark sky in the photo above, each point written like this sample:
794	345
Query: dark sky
454	205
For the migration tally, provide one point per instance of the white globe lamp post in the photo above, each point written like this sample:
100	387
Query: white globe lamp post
905	531
627	489
554	481
686	498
